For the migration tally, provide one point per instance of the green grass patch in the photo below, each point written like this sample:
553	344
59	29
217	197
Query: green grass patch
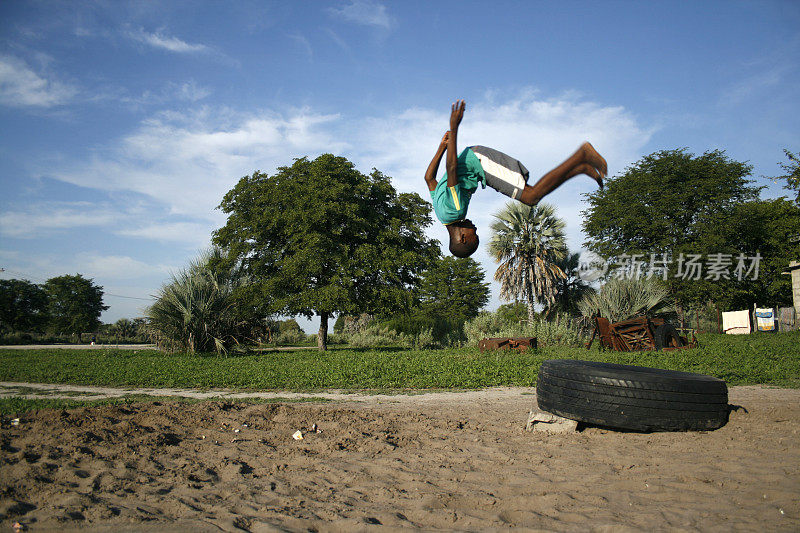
738	359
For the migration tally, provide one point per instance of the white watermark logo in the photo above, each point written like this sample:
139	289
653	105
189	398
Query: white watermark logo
712	267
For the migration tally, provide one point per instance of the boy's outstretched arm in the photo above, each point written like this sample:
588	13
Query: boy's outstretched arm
456	114
433	168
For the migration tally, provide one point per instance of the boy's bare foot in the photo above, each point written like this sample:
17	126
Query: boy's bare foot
589	170
591	156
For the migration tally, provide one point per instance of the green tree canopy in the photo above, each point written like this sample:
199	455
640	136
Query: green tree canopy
792	176
665	203
124	328
289	324
770	228
571	288
672	204
23	306
319	237
75	304
453	288
513	313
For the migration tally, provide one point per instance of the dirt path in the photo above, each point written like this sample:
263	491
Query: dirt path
434	461
88	392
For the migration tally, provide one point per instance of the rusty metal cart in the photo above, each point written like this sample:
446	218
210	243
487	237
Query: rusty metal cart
640	333
520	344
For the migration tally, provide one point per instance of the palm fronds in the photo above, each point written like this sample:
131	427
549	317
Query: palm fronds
194	311
528	242
621	299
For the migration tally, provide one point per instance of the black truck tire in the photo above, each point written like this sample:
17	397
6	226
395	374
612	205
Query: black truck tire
632	397
667	336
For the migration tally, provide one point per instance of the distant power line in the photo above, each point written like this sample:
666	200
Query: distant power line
40	280
128	297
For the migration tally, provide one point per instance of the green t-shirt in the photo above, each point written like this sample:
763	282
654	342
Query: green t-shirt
450	203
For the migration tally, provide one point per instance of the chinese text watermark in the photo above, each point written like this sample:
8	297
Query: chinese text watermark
713	267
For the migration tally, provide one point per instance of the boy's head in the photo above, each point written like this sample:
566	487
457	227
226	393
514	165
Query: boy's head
463	238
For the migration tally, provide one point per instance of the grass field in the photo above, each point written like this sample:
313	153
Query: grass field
739	360
772	359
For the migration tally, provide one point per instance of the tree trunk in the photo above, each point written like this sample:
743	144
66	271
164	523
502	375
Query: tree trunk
531	312
322	336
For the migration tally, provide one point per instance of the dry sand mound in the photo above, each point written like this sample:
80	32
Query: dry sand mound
452	464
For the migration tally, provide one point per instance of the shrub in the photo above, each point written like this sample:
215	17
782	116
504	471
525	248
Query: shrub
486	324
291	337
441	330
377	335
621	299
559	330
355	324
196	311
424	340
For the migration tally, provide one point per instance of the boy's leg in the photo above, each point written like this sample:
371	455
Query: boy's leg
585	160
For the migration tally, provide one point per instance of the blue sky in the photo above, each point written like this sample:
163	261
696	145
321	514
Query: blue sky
123	124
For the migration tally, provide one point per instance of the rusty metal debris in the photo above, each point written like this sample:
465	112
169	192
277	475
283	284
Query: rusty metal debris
639	334
508	343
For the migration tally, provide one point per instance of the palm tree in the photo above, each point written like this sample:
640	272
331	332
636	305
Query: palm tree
571	288
621	299
196	310
124	328
528	242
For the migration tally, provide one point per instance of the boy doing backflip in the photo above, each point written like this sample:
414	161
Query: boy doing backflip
479	164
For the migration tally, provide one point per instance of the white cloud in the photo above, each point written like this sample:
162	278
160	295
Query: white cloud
141	220
115	267
189	91
47	217
539	132
166	42
366	12
304	44
20	86
188	162
750	86
190	234
338	40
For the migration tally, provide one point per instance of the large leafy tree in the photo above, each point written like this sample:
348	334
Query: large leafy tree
319	238
454	289
23	305
665	202
670	203
792	173
528	242
75	304
770	228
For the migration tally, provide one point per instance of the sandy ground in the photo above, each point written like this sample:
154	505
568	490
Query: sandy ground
452	461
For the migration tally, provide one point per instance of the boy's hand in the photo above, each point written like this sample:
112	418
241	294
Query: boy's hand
445	138
456	114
